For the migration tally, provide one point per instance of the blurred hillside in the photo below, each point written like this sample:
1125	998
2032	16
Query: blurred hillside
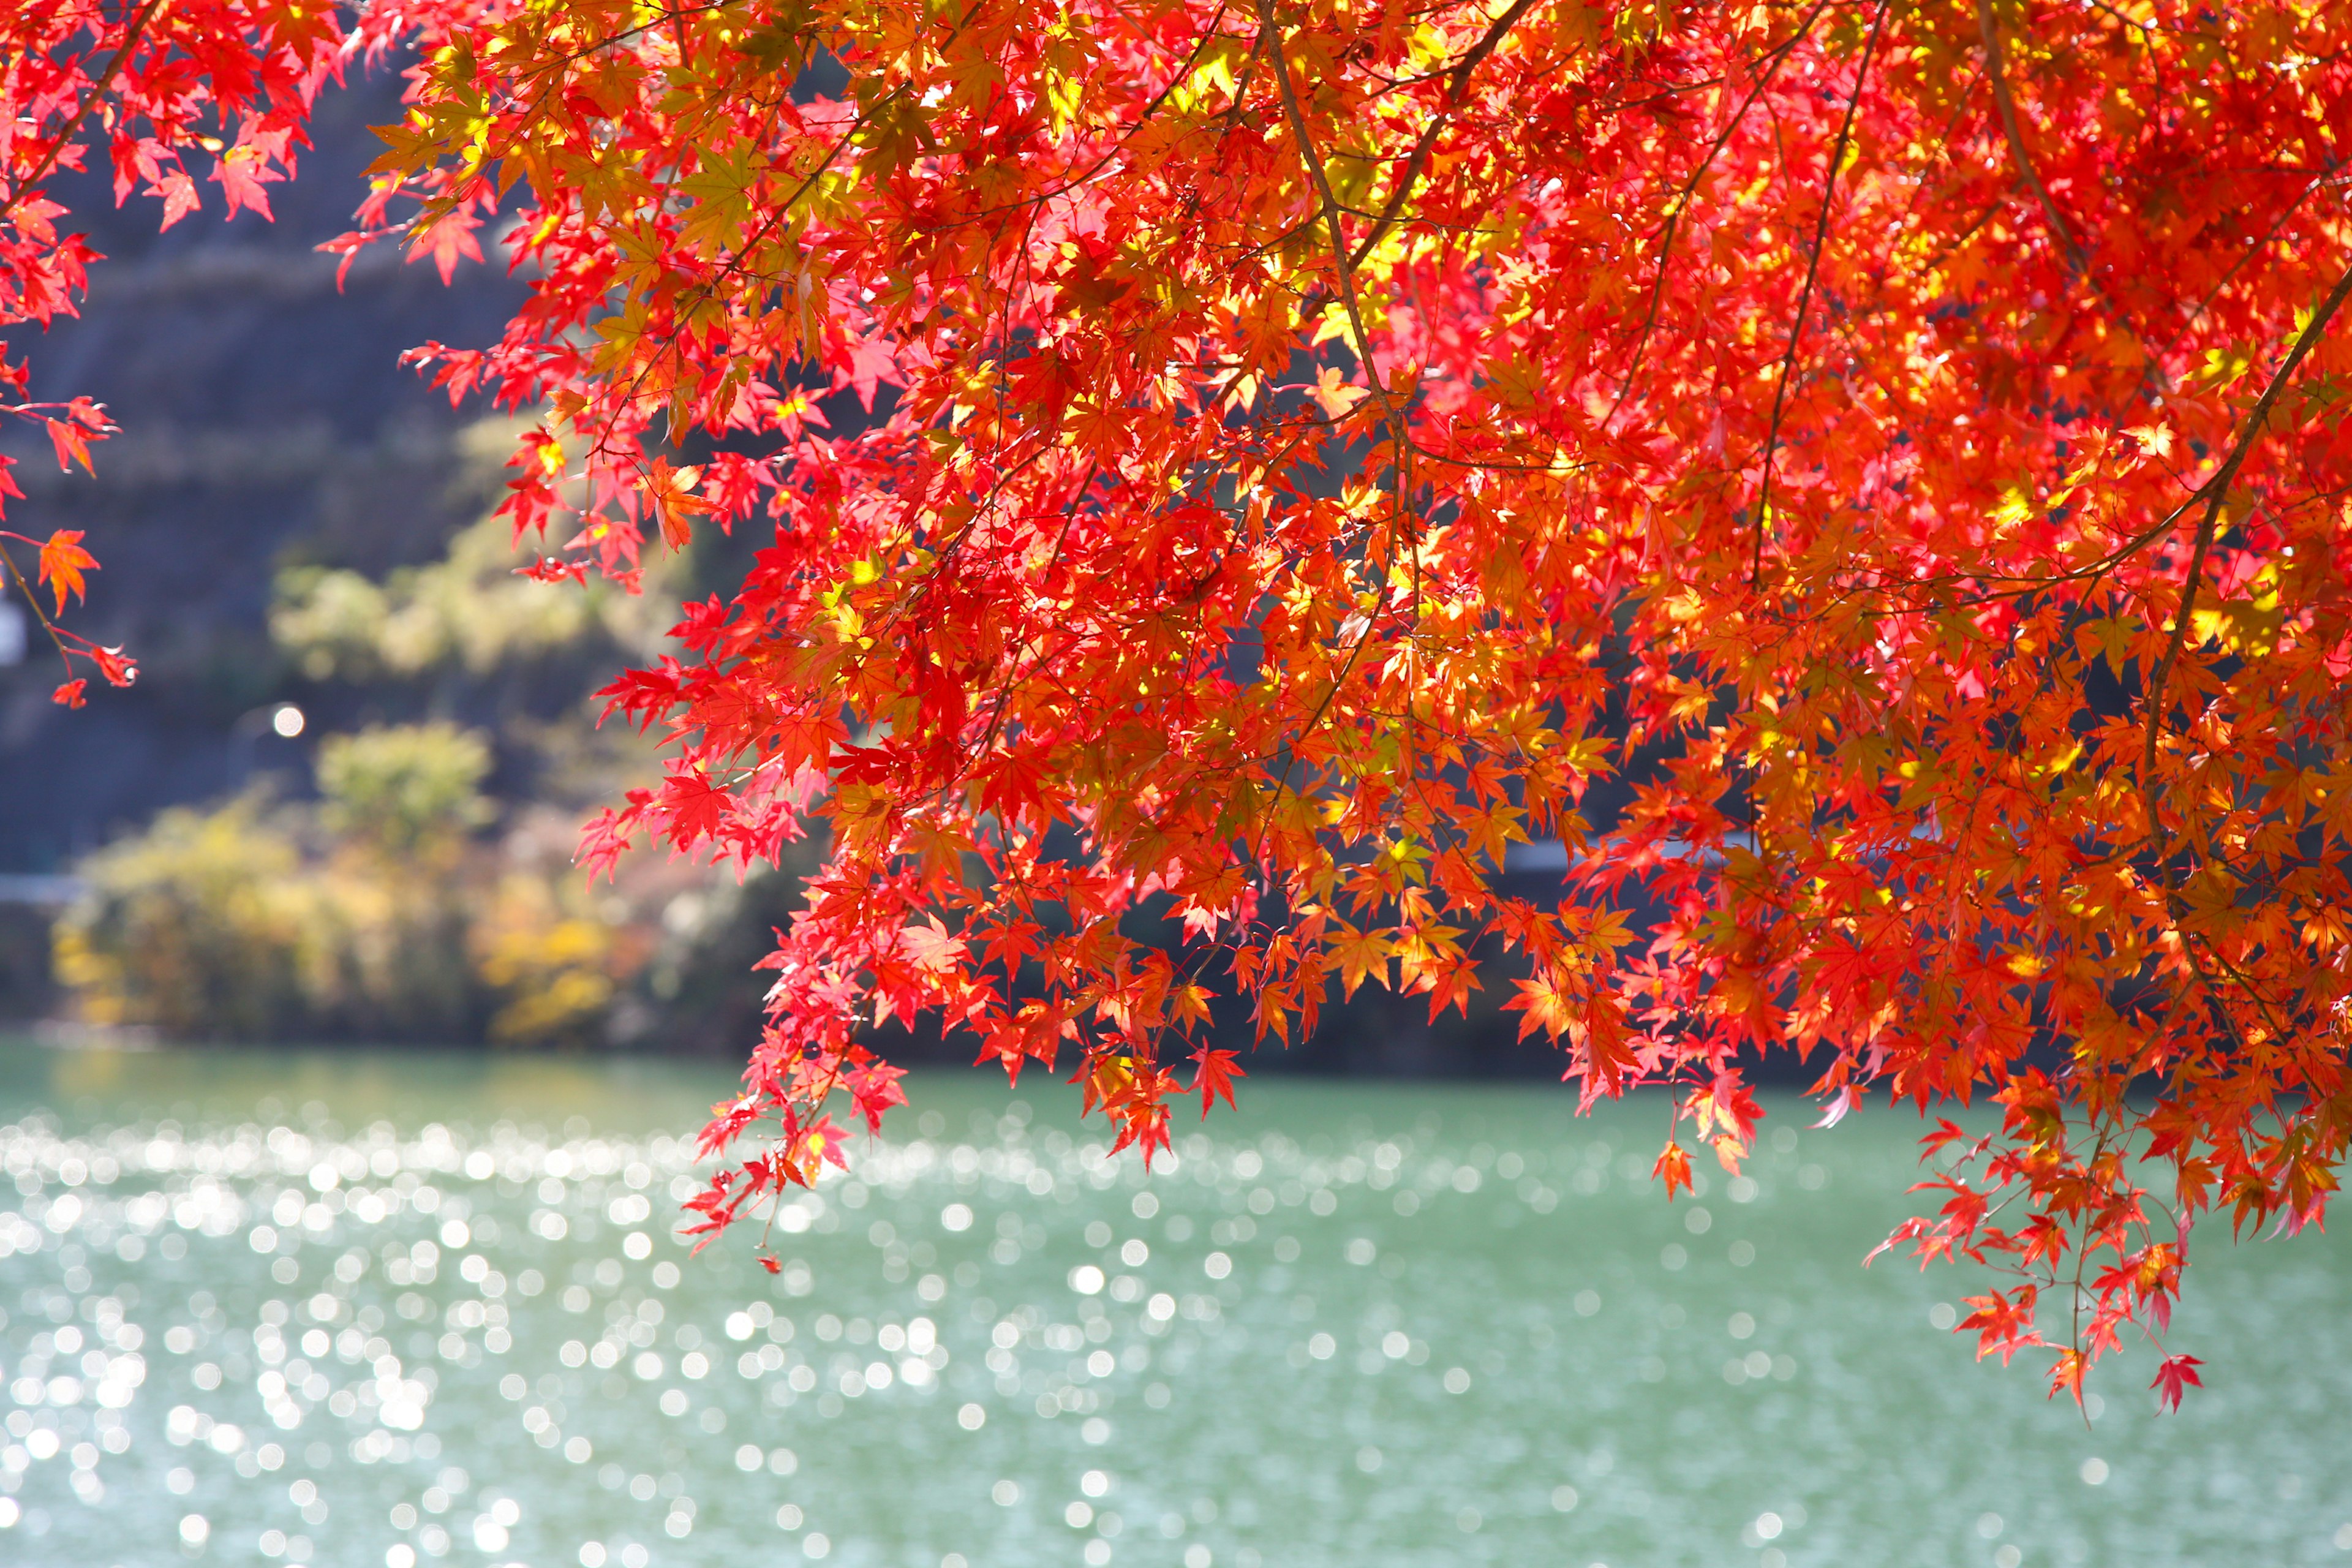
266	423
291	519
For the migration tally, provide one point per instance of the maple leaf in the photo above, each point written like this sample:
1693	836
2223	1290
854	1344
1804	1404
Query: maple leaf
696	808
72	446
1673	1167
448	238
871	362
1332	393
1726	1103
1214	1076
2174	1373
1839	1103
932	947
2066	1374
2003	1325
242	172
668	488
822	1140
117	668
63	562
179	194
875	1089
1540	1006
1360	954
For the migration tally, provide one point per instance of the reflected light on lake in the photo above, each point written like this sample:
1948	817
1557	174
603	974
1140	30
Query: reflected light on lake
405	1308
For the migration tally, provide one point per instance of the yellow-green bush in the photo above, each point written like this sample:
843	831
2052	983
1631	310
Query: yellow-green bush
554	968
382	914
404	789
469	611
195	928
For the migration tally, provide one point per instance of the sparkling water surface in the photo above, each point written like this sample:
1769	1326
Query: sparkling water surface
410	1309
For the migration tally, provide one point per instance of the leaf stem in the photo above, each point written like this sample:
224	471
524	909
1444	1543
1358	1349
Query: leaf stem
24	586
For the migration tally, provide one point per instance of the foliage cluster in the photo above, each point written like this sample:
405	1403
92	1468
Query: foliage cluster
1868	478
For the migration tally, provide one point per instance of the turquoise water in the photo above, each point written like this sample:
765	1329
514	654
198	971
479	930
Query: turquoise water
407	1309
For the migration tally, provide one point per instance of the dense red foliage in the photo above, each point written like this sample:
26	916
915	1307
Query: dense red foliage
1312	445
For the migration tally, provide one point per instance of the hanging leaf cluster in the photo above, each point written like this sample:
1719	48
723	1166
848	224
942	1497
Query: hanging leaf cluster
1869	479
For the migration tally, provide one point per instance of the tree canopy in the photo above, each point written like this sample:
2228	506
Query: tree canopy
1869	479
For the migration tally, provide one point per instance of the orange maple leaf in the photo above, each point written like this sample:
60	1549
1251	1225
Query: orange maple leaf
72	446
1673	1167
1360	954
63	562
670	489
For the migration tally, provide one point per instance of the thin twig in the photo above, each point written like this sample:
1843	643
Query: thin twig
1392	417
1459	85
16	574
1346	280
1772	61
2078	255
1805	297
1997	71
98	87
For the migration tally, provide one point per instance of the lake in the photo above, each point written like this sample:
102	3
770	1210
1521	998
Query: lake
410	1309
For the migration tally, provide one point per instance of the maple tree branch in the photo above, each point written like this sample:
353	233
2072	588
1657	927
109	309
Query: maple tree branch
99	86
2253	250
2216	491
2078	255
734	265
1346	279
2247	983
1996	71
1459	85
1394	420
1071	183
1805	296
1776	58
2152	27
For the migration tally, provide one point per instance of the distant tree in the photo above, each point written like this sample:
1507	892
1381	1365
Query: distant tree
1897	448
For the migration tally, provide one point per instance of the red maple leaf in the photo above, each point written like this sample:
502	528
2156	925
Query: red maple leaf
1213	1076
72	446
2173	1374
118	669
875	1089
696	808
